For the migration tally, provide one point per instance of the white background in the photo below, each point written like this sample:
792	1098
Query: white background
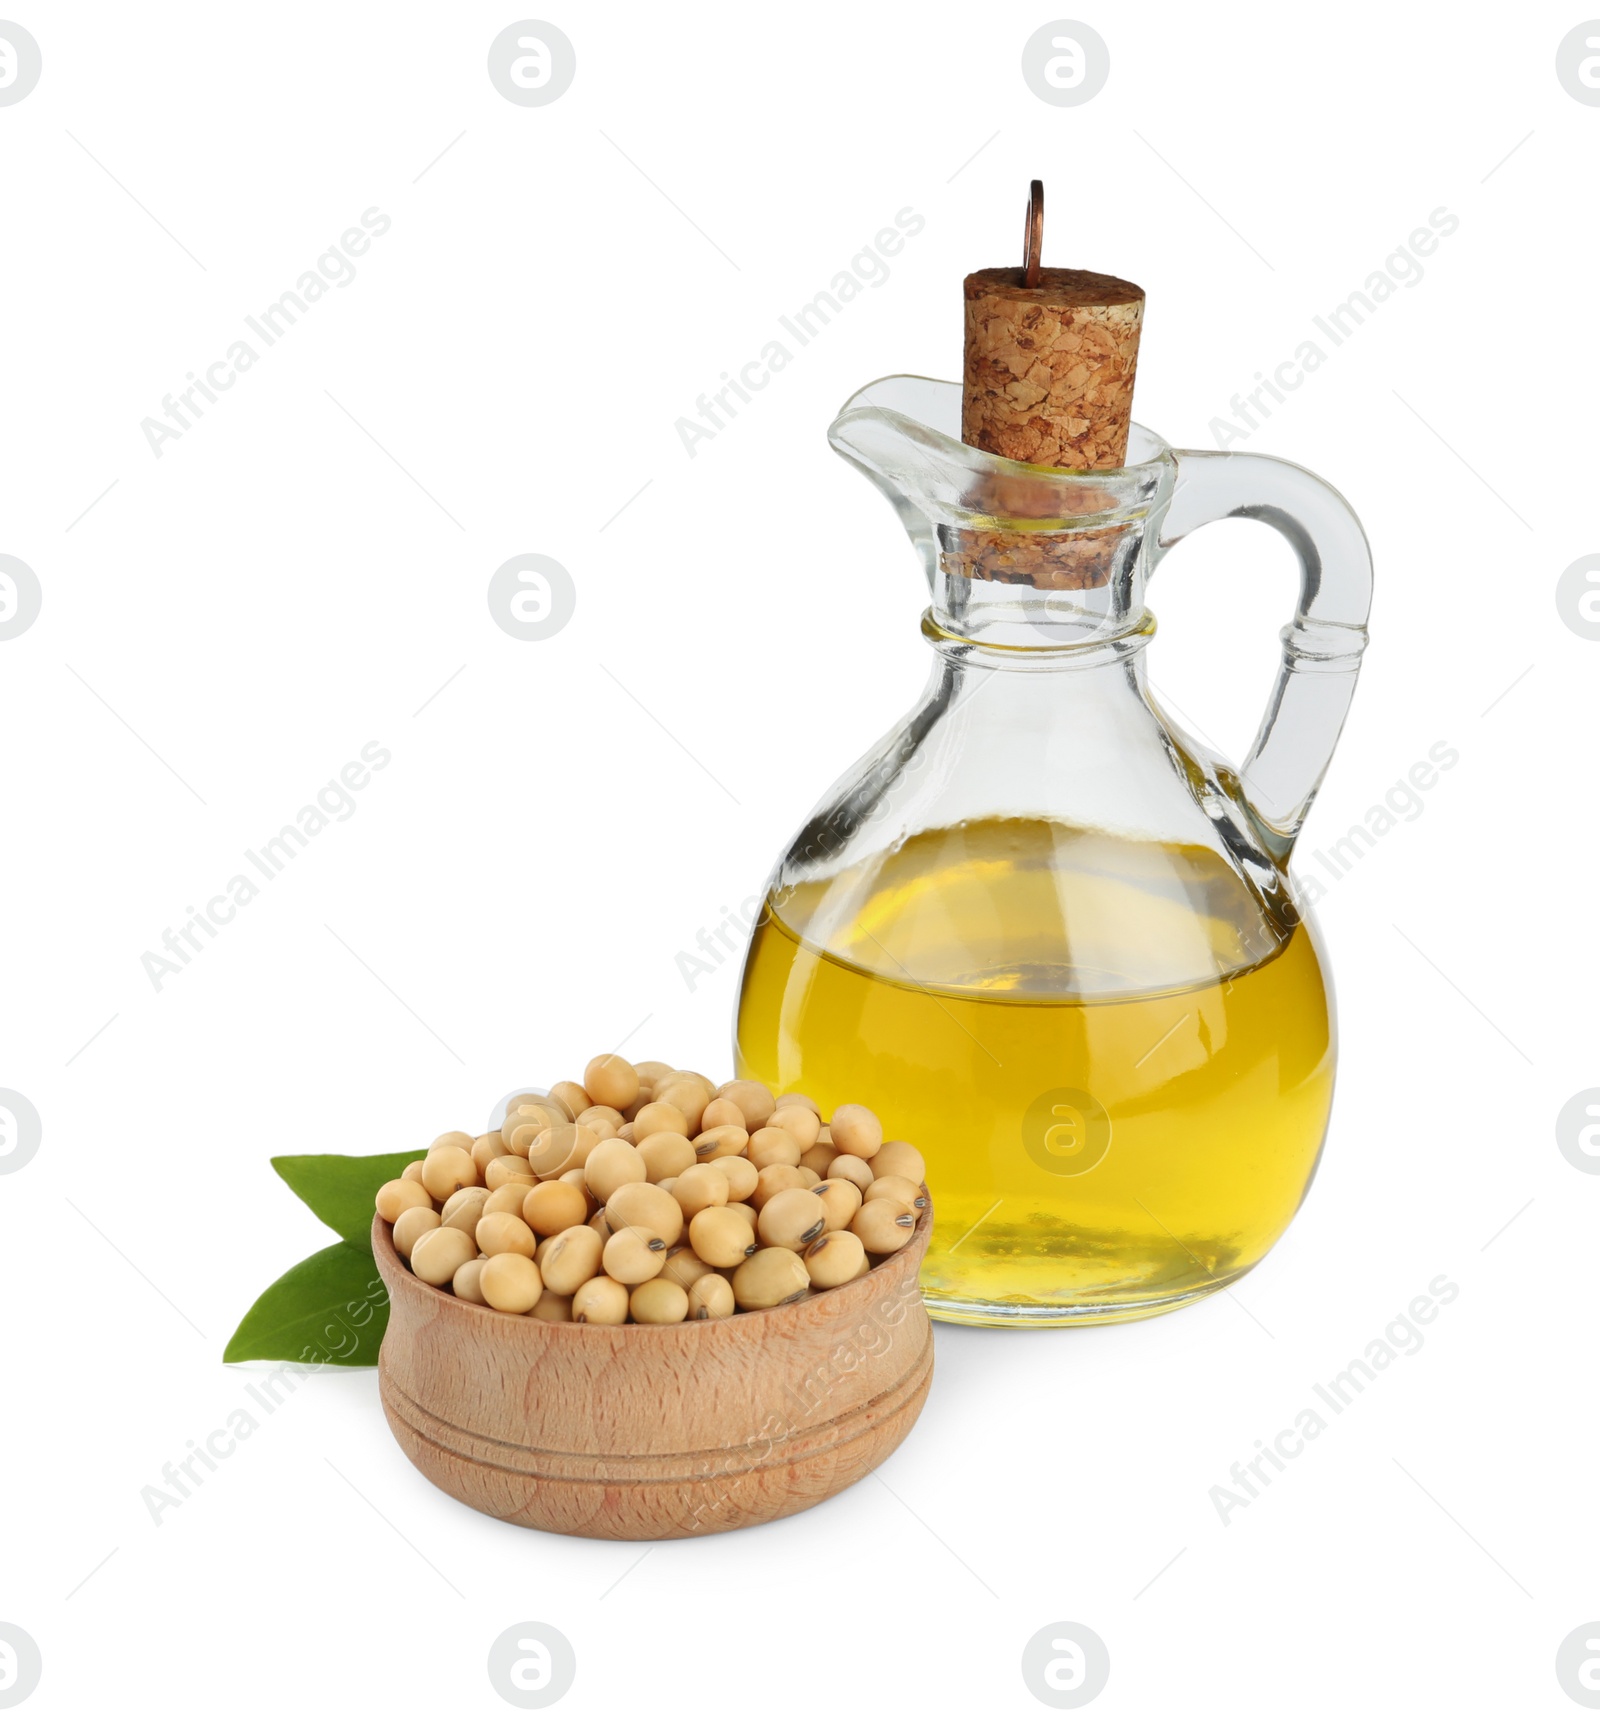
228	625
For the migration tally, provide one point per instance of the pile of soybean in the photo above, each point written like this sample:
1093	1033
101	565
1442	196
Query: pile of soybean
647	1194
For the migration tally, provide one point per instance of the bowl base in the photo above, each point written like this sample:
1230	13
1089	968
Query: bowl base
661	1495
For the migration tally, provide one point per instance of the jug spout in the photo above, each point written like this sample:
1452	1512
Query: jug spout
1015	555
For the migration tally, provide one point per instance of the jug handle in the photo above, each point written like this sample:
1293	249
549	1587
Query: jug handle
1322	643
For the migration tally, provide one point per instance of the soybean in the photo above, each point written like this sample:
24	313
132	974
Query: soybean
659	1301
519	1131
571	1097
777	1178
710	1298
901	1189
506	1234
612	1164
510	1283
509	1168
533	1100
768	1278
397	1195
552	1206
899	1159
723	1114
818	1158
792	1219
468	1281
631	1257
539	1105
611	1080
726	1141
447	1169
508	1198
685	1267
437	1254
658	1116
690	1097
720	1237
665	1153
647	1208
752	1098
561	1148
485	1148
601	1301
884	1225
742	1176
856	1130
572	1257
553	1307
854	1170
840	1200
411	1225
771	1146
700	1186
799	1121
835	1259
464	1209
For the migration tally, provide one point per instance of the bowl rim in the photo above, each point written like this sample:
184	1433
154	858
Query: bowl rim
389	1259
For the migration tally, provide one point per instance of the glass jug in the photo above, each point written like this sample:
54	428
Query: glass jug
1051	939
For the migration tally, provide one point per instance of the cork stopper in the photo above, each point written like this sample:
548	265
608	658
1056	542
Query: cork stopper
1049	367
1050	358
1047	379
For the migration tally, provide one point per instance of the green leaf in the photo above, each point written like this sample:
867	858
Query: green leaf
331	1308
340	1189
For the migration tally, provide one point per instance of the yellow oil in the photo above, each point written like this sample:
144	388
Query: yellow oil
1117	1060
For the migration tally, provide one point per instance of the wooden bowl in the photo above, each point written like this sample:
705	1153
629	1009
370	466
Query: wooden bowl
654	1432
